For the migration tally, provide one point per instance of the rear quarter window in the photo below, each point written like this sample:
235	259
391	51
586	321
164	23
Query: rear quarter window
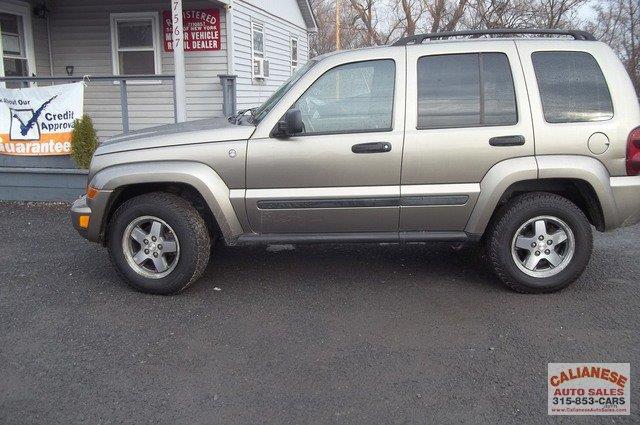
572	87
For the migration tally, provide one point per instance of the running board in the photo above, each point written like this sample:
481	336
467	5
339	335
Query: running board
389	237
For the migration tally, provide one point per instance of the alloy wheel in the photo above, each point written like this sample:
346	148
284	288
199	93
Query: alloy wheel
543	246
151	247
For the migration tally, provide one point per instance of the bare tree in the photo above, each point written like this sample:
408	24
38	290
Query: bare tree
325	39
557	13
444	15
411	13
377	22
617	23
382	21
492	14
366	19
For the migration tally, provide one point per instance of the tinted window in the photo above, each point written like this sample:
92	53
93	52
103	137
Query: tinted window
572	87
465	90
353	97
499	93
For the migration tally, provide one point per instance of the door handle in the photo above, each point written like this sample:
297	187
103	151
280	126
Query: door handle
373	147
507	141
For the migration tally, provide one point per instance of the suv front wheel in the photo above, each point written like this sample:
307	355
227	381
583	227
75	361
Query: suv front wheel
540	242
158	243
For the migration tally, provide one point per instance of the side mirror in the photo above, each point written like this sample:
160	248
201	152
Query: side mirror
291	123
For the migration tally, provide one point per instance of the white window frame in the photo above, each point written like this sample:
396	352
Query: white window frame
155	29
23	10
257	27
296	62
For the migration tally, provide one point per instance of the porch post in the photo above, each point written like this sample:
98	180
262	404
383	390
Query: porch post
178	60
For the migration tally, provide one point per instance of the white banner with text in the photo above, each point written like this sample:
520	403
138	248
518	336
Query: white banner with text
38	121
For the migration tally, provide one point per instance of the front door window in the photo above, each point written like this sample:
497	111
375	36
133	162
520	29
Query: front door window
14	52
352	98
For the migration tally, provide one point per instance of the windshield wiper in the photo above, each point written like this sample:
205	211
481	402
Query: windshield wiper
235	119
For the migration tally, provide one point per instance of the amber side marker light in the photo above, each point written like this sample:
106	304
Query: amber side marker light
83	221
91	192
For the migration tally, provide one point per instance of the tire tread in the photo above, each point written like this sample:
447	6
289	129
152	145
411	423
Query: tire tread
506	216
191	216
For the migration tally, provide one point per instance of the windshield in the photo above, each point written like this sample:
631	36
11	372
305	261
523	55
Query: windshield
261	111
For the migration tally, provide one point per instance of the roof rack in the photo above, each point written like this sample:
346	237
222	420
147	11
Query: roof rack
419	38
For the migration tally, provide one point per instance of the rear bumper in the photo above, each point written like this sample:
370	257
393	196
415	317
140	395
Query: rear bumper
626	195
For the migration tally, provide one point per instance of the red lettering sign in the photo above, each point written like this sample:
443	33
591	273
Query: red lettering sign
201	30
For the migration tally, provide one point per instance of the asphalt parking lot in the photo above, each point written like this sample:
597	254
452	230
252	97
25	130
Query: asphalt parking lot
316	334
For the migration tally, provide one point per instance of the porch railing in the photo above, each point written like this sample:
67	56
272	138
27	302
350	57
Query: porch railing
120	79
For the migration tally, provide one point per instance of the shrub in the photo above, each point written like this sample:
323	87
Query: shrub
84	141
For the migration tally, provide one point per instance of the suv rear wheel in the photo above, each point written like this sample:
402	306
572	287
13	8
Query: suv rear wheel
158	243
540	242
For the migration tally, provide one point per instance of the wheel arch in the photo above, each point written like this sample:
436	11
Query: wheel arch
196	182
583	180
578	191
187	192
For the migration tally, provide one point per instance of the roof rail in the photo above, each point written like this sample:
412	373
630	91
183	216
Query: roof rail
419	38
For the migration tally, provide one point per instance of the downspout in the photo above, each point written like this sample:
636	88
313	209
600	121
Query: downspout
48	20
228	80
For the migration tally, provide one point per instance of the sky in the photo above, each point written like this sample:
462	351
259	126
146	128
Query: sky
586	12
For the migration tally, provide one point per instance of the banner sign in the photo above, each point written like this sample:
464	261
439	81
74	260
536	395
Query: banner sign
201	30
38	121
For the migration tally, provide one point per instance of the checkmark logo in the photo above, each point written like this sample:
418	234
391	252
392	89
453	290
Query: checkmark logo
25	127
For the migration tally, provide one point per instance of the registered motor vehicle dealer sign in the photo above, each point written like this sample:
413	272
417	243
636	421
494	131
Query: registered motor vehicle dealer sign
201	30
589	389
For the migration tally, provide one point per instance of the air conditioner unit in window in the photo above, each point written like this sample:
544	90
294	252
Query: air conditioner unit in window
260	68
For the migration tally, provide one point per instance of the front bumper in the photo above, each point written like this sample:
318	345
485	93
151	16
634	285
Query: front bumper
78	209
94	208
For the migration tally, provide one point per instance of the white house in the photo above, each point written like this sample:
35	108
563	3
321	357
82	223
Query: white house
236	53
259	42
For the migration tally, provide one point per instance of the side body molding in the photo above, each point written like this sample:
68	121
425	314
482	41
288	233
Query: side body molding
200	176
588	169
493	186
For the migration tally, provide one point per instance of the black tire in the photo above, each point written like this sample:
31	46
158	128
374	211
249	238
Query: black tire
189	228
517	212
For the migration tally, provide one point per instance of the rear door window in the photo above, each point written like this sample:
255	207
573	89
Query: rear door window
572	87
465	90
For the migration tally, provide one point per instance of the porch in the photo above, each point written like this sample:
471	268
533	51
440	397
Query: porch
122	50
93	39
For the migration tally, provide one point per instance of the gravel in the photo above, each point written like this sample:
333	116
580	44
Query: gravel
297	334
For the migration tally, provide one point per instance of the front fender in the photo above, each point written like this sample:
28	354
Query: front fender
197	175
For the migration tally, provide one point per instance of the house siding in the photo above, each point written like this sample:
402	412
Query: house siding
277	32
81	37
